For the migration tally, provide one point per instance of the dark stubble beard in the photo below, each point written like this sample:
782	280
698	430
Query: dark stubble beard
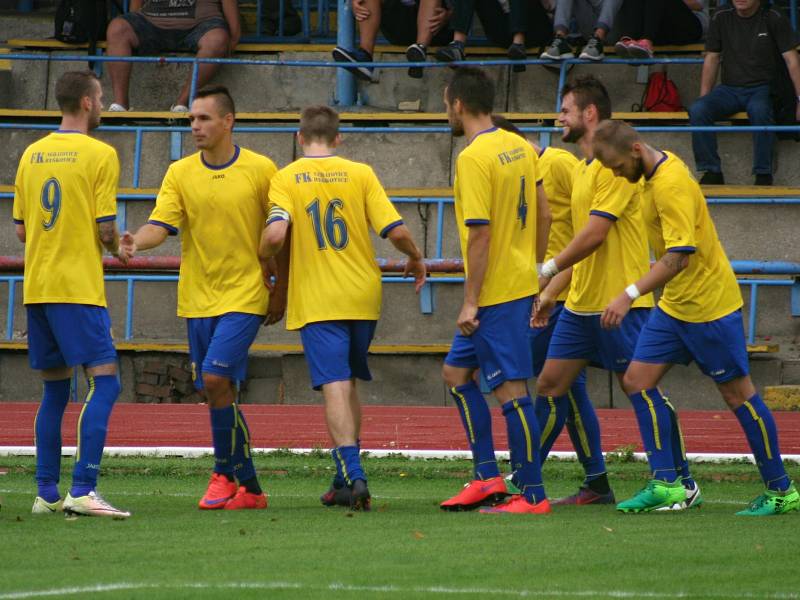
574	135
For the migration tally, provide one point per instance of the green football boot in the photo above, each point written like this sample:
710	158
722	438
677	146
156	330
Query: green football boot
773	503
657	494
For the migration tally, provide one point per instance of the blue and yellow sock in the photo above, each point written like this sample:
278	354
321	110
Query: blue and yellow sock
47	431
349	460
551	414
338	478
679	449
762	435
92	429
523	445
243	468
655	426
223	433
477	421
583	427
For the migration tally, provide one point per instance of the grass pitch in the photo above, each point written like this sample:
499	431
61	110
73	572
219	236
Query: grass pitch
405	548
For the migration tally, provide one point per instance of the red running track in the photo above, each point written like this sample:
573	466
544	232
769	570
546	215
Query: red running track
391	427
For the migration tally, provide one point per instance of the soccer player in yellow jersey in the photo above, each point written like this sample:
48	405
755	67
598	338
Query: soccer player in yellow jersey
698	317
217	199
576	411
609	248
65	206
503	222
330	204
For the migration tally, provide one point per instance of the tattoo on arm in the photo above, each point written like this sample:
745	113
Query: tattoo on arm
675	261
107	230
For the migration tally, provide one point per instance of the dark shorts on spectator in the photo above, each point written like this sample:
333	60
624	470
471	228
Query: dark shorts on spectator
155	40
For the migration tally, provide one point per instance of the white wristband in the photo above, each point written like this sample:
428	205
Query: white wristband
549	269
539	268
632	291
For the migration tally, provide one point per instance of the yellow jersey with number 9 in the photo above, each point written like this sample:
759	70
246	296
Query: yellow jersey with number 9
495	185
66	184
331	203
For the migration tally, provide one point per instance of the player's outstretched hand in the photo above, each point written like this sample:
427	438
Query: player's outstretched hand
542	307
616	311
468	319
416	267
127	247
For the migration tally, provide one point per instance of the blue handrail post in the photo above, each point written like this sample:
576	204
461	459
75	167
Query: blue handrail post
193	88
137	158
25	6
562	79
306	19
793	14
129	312
345	37
752	314
259	12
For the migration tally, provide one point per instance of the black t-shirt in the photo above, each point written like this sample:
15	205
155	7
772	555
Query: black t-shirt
748	45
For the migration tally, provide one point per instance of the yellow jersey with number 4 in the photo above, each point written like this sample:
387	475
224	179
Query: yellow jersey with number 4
677	219
624	256
219	211
495	185
331	204
66	184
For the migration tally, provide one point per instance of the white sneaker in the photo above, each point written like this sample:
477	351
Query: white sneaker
179	108
92	505
43	507
114	107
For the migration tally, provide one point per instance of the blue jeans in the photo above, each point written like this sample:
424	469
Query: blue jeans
721	102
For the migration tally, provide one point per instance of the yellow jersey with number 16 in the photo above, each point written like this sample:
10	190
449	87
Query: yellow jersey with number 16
331	203
66	184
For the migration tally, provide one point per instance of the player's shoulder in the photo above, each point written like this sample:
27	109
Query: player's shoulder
99	145
256	159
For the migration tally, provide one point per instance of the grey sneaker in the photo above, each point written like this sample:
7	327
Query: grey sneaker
559	49
453	52
593	50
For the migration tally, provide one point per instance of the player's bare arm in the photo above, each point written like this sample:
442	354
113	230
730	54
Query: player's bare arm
109	237
272	239
279	265
477	257
588	239
659	275
548	297
400	237
544	218
19	229
148	236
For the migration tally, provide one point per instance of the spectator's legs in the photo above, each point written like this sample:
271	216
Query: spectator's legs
462	19
427	10
122	41
605	21
518	20
562	17
759	111
368	27
495	23
214	44
718	103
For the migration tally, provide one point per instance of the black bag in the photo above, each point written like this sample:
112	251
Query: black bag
81	21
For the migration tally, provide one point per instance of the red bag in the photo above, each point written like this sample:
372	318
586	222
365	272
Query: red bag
661	94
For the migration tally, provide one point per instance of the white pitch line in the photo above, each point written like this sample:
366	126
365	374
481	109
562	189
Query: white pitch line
197	452
386	589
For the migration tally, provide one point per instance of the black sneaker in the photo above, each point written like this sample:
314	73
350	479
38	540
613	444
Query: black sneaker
359	496
336	496
593	50
416	53
559	49
712	178
517	52
763	179
454	51
358	55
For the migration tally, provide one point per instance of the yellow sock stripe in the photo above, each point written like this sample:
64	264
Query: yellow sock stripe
344	467
656	433
763	427
89	395
463	400
245	431
528	442
677	425
579	427
551	421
